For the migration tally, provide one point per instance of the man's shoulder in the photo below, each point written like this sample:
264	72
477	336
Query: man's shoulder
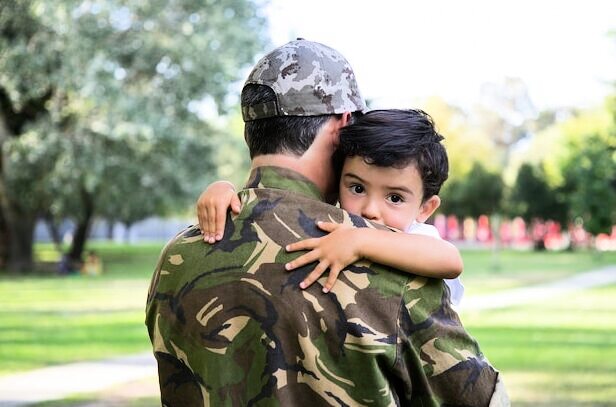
190	234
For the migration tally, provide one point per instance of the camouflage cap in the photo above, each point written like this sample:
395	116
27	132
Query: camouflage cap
309	79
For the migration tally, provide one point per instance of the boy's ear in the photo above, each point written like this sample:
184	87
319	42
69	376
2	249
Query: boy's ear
428	207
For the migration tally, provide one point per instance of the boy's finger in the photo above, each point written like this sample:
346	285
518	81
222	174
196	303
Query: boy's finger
327	226
236	204
302	260
221	215
202	216
306	244
331	279
314	275
211	224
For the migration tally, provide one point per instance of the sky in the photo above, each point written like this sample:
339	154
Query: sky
405	51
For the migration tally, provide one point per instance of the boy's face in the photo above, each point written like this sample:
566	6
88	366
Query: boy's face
386	195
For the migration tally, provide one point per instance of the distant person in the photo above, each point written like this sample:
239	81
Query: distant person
229	325
65	265
93	265
393	171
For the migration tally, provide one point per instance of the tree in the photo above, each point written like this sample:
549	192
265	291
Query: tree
465	144
532	198
97	111
480	193
505	112
590	174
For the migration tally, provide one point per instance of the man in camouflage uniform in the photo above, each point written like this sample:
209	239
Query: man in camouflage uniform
230	326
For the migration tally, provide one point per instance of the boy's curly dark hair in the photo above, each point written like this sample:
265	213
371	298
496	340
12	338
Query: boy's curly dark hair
397	138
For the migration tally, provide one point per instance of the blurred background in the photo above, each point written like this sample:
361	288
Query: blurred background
114	115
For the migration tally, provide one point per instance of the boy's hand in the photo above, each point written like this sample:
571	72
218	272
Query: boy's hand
212	209
334	251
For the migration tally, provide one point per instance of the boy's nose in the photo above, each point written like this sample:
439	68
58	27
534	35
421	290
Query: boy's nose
371	211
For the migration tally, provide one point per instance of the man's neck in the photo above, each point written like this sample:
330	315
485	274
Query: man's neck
291	162
278	160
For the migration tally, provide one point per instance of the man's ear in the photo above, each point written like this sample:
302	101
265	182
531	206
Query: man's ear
344	120
428	207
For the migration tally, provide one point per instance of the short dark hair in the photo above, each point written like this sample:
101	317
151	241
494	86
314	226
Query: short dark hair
281	134
397	138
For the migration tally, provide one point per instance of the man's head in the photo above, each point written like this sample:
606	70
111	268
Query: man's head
292	92
394	168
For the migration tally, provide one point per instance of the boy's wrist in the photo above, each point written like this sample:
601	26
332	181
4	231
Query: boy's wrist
229	183
362	240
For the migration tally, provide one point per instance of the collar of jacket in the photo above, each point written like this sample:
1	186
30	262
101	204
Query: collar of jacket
283	178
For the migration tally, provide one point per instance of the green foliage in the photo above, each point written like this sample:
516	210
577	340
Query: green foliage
480	193
568	171
125	78
532	197
99	101
590	175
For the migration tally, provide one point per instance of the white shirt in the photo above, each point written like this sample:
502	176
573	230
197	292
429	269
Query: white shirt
456	288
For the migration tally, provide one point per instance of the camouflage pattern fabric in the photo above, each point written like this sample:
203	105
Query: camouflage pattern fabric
309	79
230	327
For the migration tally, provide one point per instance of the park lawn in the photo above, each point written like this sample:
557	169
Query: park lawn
561	352
487	271
46	319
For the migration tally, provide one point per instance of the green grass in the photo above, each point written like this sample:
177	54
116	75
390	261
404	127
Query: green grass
119	260
47	319
558	353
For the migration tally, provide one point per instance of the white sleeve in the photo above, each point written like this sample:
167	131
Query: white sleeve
424	229
456	288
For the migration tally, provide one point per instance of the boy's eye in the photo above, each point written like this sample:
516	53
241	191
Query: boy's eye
395	199
357	189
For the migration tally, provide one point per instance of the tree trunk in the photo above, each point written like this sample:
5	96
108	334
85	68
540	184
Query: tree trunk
4	227
127	226
4	240
21	259
110	228
54	232
16	233
16	227
82	230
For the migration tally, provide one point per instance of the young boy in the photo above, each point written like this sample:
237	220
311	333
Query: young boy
393	170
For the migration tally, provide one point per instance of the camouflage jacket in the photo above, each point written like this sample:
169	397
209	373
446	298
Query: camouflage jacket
230	327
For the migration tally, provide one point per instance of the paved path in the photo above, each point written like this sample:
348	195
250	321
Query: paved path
89	377
57	382
525	295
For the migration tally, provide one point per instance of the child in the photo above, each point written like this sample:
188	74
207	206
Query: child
393	170
93	265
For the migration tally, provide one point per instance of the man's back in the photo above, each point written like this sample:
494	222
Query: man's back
231	327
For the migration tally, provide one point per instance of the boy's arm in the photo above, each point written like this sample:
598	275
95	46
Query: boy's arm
212	209
414	253
422	255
